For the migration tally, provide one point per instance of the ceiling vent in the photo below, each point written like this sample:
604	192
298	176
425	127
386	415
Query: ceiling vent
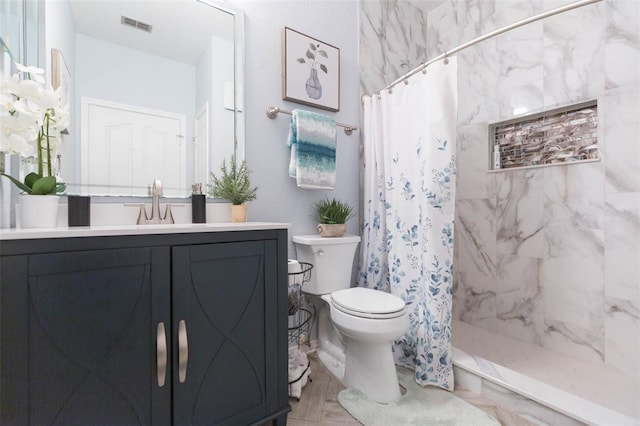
130	22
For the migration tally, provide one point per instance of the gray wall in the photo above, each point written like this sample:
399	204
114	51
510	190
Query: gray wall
267	154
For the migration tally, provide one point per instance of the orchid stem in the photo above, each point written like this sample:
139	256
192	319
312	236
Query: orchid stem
48	121
39	147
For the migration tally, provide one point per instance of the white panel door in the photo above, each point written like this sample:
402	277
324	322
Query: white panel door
125	148
201	147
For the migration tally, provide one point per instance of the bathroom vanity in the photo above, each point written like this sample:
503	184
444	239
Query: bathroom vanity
148	325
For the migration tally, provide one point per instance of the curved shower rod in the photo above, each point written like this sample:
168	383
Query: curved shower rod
424	65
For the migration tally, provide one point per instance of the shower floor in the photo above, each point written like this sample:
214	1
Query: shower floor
595	383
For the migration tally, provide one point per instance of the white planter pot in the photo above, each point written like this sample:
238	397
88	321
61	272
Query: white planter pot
39	211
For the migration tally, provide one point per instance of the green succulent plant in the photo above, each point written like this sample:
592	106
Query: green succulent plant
333	211
233	183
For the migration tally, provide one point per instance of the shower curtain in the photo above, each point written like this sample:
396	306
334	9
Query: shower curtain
409	193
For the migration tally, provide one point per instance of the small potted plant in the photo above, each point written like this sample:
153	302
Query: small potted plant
332	215
234	184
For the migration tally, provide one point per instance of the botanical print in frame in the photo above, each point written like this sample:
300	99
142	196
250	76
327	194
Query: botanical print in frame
61	77
310	71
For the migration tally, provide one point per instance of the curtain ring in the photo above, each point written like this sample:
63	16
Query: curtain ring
406	82
446	60
424	70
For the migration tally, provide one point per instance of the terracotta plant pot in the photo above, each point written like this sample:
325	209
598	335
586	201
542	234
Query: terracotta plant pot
238	212
331	230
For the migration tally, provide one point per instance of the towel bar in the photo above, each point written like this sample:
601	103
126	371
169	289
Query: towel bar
272	112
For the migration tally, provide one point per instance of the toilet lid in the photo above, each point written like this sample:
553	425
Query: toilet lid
367	303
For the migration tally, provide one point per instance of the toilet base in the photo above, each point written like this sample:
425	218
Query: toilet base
365	361
371	369
334	364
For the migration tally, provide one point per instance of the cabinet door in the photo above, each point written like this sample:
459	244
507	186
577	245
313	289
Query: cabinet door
83	340
225	295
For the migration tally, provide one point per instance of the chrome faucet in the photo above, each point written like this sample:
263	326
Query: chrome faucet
156	192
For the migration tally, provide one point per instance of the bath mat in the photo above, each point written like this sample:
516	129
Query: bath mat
418	406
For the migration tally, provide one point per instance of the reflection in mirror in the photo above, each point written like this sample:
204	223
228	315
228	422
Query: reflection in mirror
153	88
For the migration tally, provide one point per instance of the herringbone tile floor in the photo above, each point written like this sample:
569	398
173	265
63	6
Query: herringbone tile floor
318	405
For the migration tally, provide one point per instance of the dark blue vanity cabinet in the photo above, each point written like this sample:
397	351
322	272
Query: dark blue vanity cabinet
184	329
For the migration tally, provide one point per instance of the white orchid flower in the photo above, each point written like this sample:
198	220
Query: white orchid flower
35	73
16	144
27	113
62	115
29	89
10	85
49	99
29	69
59	122
20	119
6	105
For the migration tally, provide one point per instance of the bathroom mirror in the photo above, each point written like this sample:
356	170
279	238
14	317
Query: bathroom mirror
155	89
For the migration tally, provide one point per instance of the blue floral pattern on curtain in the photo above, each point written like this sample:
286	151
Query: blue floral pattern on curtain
409	196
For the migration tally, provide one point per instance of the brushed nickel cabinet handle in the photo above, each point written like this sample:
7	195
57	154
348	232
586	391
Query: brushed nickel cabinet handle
183	351
161	354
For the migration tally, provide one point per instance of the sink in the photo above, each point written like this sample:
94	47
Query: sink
113	214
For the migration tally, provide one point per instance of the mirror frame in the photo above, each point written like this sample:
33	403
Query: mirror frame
238	73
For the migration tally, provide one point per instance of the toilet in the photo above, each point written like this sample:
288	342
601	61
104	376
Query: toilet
356	326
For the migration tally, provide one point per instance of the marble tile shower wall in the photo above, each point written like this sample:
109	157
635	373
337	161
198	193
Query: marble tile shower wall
393	40
548	256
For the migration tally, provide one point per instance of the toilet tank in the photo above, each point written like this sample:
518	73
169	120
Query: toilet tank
332	260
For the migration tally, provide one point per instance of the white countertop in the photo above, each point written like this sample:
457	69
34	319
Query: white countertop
101	231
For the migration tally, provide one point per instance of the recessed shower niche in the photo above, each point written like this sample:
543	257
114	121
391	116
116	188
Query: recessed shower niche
560	136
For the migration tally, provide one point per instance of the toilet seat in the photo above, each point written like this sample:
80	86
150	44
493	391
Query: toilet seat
367	303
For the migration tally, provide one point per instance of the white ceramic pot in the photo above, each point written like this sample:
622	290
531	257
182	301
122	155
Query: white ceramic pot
39	211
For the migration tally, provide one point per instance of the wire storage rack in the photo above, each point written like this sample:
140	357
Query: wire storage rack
300	321
300	314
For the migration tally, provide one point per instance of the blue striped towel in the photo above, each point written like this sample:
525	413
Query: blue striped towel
312	139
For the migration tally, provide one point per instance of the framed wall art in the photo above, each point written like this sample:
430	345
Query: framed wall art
310	71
